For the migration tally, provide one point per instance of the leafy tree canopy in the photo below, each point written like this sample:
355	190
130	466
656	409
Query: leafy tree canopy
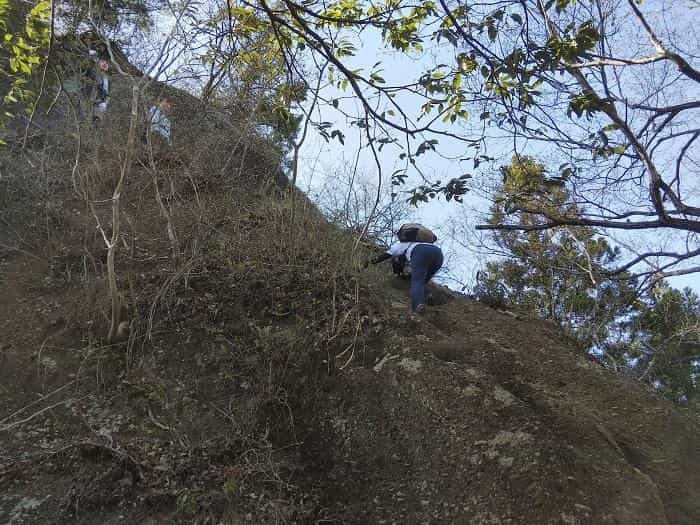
606	92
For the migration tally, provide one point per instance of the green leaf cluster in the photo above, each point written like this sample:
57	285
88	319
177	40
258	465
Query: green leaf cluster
257	73
454	188
22	50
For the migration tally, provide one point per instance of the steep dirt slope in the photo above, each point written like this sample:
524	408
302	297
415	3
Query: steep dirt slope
480	418
268	378
266	383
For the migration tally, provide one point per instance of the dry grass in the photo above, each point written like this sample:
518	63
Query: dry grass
259	296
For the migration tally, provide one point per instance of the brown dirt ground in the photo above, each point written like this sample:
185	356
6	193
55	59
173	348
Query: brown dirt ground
245	394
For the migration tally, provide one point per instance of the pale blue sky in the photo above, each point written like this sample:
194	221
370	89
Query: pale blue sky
320	158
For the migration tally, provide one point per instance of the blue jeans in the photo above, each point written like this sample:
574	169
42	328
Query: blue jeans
426	260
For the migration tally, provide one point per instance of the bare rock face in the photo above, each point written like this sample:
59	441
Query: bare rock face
494	422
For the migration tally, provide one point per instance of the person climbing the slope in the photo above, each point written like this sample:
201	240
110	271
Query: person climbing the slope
101	90
159	121
96	86
416	250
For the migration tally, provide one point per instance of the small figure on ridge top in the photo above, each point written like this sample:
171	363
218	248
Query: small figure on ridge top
159	120
96	86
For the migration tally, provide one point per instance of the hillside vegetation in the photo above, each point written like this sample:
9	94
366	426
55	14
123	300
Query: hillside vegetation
266	377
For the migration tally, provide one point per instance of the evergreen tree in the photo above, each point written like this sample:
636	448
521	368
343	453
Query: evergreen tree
563	274
559	273
664	347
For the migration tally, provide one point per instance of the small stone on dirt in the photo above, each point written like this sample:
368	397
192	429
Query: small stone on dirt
502	395
410	365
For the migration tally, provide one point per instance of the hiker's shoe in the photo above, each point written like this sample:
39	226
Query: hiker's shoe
420	309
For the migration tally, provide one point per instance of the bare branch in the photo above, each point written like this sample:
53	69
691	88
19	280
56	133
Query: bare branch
683	65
